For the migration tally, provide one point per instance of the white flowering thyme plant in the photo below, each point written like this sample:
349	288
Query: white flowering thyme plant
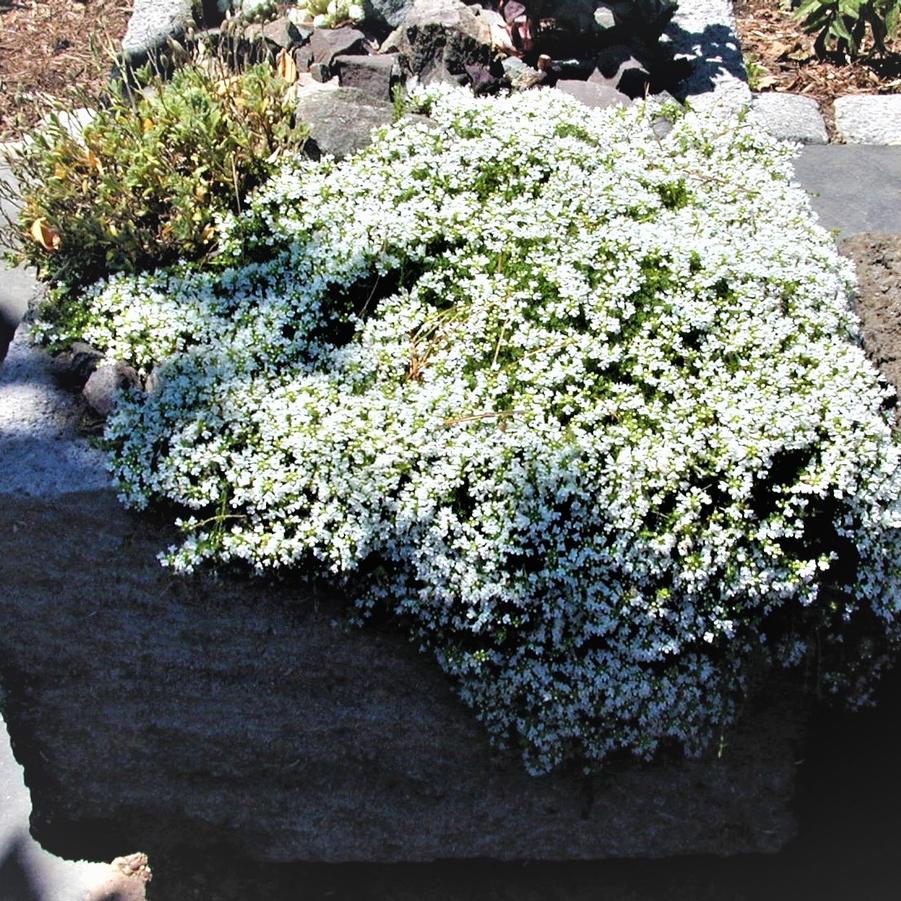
584	409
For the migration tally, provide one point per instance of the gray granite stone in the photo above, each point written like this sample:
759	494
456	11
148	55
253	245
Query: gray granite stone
790	117
341	120
152	22
869	119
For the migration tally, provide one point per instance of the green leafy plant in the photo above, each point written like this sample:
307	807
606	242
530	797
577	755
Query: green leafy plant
841	25
142	181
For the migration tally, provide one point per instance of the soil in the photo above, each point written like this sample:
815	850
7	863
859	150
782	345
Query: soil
779	56
54	49
878	262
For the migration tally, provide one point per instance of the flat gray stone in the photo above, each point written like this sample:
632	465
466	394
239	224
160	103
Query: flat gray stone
790	117
853	188
152	22
590	93
869	119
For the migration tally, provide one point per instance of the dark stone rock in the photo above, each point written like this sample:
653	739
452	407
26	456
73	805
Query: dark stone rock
321	72
440	38
283	33
592	94
303	58
341	120
374	75
327	43
386	14
177	714
102	389
73	368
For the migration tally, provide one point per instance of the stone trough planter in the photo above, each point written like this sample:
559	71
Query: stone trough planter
166	713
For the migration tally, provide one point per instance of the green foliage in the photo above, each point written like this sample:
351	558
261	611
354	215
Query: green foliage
841	25
143	183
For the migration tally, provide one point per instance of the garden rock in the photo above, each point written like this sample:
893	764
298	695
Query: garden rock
386	13
521	75
440	38
374	75
153	22
869	119
341	119
790	117
244	706
283	33
597	96
327	43
105	384
77	365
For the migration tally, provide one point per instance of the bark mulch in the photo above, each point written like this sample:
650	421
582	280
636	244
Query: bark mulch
50	49
780	57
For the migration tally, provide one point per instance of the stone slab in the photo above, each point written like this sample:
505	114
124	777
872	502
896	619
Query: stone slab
853	188
869	119
790	117
173	714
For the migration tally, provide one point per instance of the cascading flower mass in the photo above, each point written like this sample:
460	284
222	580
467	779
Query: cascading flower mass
584	407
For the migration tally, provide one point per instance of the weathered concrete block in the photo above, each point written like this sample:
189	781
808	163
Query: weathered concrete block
869	119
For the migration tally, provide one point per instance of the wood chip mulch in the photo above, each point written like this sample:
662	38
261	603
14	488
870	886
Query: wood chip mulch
780	57
53	48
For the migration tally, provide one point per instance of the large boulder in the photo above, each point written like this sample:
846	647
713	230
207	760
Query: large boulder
180	713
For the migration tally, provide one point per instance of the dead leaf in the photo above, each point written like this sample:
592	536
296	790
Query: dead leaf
767	81
44	235
286	67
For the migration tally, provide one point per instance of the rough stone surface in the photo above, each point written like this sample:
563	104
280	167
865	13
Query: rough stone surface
439	38
869	119
103	387
327	43
592	94
282	32
152	22
38	427
790	117
226	713
878	261
374	75
386	13
703	31
341	120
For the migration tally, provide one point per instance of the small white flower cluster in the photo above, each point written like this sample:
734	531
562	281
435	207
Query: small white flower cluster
251	10
328	13
586	409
